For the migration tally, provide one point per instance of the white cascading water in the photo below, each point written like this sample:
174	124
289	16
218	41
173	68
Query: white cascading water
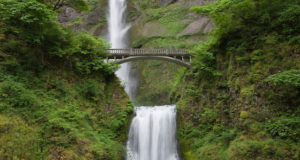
117	26
152	131
118	31
152	134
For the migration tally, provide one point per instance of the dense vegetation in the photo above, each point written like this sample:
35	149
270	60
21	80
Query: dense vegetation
241	100
58	99
161	23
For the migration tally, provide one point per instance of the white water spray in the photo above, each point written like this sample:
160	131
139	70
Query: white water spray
152	134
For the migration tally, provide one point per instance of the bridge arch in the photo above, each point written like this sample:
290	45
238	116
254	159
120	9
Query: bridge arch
164	58
123	55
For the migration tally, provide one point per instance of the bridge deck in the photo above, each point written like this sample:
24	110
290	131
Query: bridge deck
148	52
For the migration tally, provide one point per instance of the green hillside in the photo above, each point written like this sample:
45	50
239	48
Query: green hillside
58	99
239	100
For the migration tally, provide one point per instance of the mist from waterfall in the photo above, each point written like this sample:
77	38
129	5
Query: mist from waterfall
118	37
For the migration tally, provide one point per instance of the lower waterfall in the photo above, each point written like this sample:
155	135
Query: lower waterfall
152	134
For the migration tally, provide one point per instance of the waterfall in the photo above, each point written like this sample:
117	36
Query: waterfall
117	26
152	131
118	31
152	134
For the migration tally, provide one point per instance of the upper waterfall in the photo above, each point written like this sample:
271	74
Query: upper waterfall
117	26
118	38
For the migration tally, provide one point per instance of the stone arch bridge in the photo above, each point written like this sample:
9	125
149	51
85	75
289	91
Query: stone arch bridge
178	56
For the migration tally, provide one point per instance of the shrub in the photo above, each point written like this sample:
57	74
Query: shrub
208	116
28	19
92	90
284	128
33	27
286	78
204	61
87	54
16	95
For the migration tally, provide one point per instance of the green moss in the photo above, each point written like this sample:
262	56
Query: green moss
247	91
169	16
176	27
244	115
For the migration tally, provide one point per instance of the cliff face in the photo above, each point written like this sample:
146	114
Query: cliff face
148	19
92	21
166	18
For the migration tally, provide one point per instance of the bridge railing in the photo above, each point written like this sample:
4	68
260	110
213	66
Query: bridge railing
148	52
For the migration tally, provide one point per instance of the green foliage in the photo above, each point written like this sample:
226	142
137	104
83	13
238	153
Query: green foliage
89	53
284	128
66	115
162	42
208	116
76	21
47	41
155	90
15	95
290	78
244	114
138	43
92	90
143	5
169	16
203	61
176	27
165	15
58	98
233	16
28	19
18	140
156	13
247	91
81	5
253	42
